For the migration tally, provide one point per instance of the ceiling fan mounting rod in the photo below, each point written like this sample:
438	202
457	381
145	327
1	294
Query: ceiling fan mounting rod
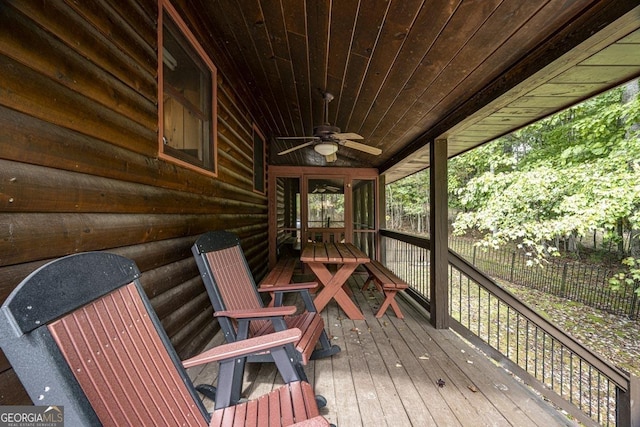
328	97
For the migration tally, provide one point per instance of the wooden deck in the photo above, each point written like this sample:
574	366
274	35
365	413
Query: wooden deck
388	373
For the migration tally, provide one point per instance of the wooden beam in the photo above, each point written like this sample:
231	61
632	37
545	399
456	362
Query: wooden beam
272	217
381	217
439	228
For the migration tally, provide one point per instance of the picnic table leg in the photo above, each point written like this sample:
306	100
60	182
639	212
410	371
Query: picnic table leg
333	288
347	289
390	300
371	281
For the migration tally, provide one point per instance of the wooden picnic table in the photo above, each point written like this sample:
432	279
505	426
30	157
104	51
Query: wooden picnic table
318	256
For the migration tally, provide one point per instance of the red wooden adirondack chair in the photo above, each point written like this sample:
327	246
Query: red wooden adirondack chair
80	333
236	300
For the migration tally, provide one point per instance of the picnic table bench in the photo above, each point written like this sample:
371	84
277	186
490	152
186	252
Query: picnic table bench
281	273
386	282
278	281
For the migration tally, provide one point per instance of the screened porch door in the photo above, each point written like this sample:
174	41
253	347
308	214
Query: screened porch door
325	210
321	205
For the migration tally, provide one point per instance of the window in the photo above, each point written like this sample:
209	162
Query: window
258	161
187	90
325	203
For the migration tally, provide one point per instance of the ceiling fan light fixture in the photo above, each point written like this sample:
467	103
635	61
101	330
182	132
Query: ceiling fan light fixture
326	148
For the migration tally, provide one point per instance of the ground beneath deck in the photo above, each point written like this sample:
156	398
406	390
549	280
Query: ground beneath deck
394	372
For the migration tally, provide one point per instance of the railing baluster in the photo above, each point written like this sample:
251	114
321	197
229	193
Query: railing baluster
552	362
598	400
508	331
592	403
562	370
580	382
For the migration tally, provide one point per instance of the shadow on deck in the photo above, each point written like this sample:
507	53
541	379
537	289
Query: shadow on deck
389	371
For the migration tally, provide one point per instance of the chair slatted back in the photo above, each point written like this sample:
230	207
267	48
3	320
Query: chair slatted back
114	351
235	284
81	333
231	287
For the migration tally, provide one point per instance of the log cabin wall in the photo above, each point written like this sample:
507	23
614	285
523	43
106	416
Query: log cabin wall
79	167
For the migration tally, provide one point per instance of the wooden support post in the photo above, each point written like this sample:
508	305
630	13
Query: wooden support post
381	217
628	404
438	221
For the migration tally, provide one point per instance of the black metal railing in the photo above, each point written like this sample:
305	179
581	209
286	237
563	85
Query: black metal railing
584	283
563	370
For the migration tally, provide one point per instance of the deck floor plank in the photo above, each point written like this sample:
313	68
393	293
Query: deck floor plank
423	373
387	374
516	403
346	404
377	385
469	406
368	402
323	368
519	405
403	401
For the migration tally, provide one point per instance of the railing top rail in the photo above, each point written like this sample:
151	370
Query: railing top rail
619	377
414	239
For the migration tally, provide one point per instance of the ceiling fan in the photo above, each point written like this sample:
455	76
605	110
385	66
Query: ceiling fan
322	188
326	138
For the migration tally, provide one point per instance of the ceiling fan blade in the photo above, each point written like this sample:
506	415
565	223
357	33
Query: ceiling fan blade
362	147
346	135
297	147
331	158
297	137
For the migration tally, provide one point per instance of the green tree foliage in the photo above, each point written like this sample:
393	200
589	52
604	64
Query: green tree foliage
326	210
408	202
557	179
630	277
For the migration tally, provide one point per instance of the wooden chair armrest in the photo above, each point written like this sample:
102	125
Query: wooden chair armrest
287	310
278	292
290	287
243	348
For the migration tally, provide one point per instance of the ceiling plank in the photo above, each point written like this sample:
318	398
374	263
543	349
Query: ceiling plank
294	12
318	12
405	72
564	49
597	75
276	27
367	29
463	25
275	37
477	63
270	80
341	32
235	33
428	25
399	21
298	46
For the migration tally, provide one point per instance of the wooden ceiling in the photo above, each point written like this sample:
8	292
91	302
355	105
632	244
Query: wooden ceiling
405	72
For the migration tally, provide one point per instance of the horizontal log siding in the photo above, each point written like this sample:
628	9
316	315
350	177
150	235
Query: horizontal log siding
78	160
